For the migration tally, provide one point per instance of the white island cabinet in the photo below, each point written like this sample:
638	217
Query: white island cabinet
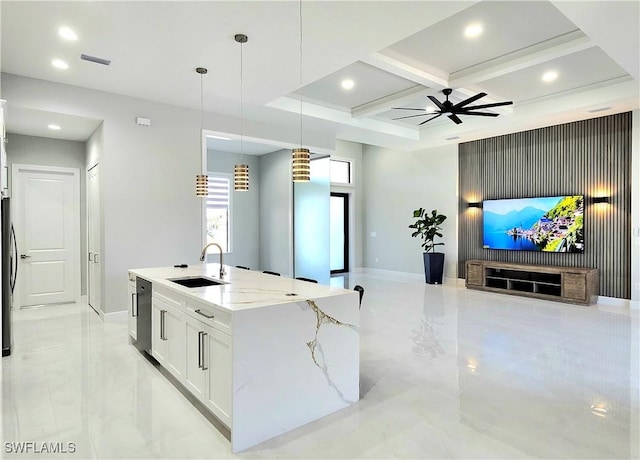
264	354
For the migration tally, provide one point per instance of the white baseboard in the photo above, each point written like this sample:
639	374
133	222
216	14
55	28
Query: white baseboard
116	317
619	303
403	276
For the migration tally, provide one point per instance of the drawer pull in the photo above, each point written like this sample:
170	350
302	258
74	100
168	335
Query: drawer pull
204	314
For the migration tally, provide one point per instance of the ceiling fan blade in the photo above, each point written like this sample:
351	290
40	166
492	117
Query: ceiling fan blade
469	101
436	102
407	108
412	116
482	114
429	119
455	119
486	106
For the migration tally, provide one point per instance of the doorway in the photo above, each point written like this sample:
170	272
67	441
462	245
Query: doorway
47	224
339	224
94	262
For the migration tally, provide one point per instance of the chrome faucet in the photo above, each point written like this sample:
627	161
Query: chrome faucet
203	254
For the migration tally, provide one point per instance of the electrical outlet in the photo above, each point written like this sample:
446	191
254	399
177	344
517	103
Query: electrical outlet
372	234
376	260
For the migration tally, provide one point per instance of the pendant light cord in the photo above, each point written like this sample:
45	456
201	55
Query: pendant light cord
300	17
241	105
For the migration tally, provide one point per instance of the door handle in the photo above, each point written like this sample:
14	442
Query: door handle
204	359
24	256
200	312
162	323
134	302
200	360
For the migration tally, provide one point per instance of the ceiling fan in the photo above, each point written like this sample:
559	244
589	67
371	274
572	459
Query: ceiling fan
452	110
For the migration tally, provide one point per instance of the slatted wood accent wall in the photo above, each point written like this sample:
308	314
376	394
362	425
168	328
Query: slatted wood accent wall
591	158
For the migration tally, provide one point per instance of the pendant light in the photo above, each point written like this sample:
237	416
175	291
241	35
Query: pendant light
202	181
241	171
300	168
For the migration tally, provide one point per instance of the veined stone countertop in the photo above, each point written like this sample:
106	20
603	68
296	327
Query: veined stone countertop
246	289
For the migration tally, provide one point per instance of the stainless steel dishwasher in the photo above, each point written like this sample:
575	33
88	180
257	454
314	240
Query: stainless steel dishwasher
143	293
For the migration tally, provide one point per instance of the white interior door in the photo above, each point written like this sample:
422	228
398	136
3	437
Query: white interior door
93	243
47	210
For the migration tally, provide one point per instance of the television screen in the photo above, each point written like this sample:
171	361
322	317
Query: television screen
550	224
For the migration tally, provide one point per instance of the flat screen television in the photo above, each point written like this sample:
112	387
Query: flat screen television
549	224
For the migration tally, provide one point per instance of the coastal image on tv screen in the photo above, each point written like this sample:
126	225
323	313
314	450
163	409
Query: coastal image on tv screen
551	224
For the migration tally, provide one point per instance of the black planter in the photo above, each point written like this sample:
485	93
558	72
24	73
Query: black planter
433	267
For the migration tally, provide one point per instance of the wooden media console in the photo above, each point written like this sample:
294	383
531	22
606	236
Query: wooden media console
565	284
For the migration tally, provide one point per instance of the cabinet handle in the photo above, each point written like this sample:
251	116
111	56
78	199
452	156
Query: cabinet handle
200	357
202	342
162	323
96	259
134	301
204	314
90	256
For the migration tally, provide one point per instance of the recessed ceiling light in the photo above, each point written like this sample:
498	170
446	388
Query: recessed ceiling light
54	127
473	30
550	76
347	84
219	137
67	33
59	64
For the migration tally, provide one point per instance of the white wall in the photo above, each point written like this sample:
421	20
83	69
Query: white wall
396	183
44	151
352	151
276	201
245	213
151	216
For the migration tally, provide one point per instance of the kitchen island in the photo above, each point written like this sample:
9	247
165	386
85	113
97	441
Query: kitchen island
264	354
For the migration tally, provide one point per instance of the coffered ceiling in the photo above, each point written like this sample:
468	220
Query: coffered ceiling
396	54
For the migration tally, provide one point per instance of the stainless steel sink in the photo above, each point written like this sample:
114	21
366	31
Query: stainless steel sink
196	281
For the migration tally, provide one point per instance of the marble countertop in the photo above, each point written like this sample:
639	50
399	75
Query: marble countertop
246	289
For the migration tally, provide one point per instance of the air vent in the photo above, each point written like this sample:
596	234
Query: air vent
97	60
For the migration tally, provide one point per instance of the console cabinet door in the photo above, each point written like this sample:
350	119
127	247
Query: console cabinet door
133	311
474	274
574	286
218	361
195	372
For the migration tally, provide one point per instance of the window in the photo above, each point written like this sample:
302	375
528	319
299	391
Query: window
340	172
218	210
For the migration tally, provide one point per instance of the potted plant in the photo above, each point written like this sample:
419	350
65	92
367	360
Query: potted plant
427	227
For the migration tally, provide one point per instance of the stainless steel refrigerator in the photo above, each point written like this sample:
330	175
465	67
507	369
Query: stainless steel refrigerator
9	274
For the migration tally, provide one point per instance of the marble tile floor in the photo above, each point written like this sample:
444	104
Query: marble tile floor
445	373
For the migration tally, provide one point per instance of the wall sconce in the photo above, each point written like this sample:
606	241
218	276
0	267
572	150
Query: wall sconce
600	199
474	204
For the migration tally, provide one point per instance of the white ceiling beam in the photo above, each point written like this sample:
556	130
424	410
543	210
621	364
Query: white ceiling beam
343	117
548	50
403	66
383	104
